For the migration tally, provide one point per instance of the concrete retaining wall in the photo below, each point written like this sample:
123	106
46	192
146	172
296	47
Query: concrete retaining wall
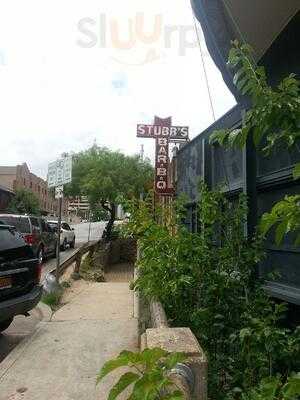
190	376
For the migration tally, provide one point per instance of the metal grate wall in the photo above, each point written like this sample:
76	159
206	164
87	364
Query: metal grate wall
264	180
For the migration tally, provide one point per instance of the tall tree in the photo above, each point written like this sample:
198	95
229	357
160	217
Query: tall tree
24	202
106	176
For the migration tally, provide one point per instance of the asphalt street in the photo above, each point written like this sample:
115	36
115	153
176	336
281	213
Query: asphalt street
22	326
82	231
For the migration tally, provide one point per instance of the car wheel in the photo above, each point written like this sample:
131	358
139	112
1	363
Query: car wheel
5	324
72	244
41	255
64	245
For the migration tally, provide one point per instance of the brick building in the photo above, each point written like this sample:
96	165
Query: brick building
20	177
5	197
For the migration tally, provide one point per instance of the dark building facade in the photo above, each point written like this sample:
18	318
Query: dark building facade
265	180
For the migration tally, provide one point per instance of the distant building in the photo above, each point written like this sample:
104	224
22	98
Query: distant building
78	207
20	177
6	196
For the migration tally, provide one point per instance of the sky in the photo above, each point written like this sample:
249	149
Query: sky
73	73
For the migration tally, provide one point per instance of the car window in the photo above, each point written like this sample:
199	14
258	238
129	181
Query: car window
44	225
35	223
10	239
51	228
20	223
65	226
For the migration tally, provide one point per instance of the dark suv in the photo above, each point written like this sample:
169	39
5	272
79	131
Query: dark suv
20	272
36	231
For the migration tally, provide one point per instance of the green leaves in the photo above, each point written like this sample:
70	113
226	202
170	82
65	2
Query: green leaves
124	359
291	390
284	216
173	359
126	380
151	356
236	138
274	118
273	389
177	395
152	365
296	172
275	112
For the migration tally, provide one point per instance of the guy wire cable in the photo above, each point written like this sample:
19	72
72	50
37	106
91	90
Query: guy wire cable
210	95
204	70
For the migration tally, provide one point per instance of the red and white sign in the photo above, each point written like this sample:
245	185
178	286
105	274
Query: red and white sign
163	132
154	131
161	165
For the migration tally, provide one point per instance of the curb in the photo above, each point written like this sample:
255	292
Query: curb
16	353
46	315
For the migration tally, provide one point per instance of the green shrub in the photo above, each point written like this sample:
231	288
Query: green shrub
150	379
208	281
52	299
276	388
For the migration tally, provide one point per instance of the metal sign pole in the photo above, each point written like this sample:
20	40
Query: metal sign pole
59	174
89	236
58	240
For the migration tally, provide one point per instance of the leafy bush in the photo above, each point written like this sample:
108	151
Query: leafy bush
150	379
52	299
274	389
208	281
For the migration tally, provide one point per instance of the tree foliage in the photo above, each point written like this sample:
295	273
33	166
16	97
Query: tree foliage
24	202
107	176
273	119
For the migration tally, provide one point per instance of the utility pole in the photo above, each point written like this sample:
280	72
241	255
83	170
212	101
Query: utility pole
90	222
142	152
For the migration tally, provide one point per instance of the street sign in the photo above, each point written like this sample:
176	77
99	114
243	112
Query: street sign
60	172
59	192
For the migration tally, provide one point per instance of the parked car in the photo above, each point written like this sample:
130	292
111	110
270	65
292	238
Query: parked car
36	231
20	272
67	234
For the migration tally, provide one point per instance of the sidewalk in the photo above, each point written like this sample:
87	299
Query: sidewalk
61	360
